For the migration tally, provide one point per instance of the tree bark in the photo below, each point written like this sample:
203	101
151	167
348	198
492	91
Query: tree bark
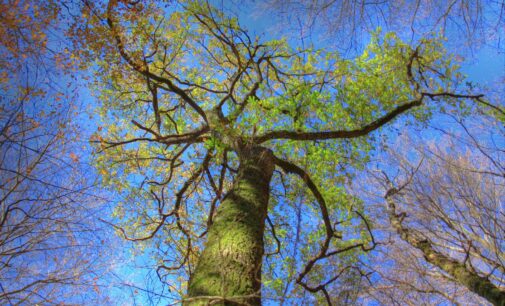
229	269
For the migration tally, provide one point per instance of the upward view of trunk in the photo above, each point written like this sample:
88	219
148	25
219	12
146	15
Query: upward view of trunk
229	269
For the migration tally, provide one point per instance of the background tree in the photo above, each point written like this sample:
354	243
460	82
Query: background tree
198	114
46	246
446	204
48	253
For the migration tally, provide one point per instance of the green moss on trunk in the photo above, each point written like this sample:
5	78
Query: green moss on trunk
229	268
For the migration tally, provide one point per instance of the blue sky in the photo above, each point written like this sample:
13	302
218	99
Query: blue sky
485	66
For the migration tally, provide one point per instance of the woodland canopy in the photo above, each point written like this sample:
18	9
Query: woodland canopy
252	153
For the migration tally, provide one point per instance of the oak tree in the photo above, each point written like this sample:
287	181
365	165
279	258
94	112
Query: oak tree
210	135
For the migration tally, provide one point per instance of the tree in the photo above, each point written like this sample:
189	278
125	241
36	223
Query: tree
445	203
198	115
46	252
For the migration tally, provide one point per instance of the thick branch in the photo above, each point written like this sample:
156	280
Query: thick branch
292	168
195	136
284	134
345	134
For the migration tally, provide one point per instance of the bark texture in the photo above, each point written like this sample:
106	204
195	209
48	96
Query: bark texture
229	269
459	271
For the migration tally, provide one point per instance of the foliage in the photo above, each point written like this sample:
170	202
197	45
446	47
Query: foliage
181	84
186	97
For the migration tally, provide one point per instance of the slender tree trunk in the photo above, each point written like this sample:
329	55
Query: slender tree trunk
229	269
459	271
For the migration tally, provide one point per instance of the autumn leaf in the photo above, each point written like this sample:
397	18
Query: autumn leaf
74	157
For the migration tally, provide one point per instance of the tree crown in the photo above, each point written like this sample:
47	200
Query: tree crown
184	88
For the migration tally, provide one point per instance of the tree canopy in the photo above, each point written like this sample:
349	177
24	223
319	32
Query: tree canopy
230	155
186	92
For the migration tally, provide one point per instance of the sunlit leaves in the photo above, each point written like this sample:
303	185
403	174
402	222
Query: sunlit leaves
165	72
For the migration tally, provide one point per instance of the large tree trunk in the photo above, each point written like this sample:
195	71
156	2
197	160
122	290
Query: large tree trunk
229	269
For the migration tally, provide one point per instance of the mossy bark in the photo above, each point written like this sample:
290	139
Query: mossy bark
229	269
